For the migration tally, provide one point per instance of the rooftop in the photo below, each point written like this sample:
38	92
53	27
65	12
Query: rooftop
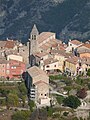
73	60
76	42
10	44
44	35
35	71
41	54
50	61
34	30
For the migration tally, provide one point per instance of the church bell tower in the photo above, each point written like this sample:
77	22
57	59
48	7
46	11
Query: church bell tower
33	40
33	44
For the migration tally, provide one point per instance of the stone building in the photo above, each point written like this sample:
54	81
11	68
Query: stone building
33	40
38	85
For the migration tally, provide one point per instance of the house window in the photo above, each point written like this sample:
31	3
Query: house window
54	65
7	66
45	94
41	94
8	71
47	66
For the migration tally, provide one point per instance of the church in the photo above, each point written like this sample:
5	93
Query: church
41	43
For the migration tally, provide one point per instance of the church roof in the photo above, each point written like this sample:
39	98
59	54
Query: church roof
34	30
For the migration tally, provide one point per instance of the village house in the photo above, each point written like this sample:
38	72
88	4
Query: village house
49	65
75	66
24	52
72	45
61	56
38	85
9	44
11	69
15	69
83	50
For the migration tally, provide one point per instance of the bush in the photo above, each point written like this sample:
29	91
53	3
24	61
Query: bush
59	99
72	102
65	113
49	111
88	72
21	115
31	105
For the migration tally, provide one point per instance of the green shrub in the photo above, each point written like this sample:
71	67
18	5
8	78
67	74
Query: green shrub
72	101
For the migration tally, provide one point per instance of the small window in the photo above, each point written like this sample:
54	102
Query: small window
34	37
47	66
41	94
45	94
54	65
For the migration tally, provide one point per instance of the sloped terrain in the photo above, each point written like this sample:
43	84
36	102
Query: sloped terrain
70	18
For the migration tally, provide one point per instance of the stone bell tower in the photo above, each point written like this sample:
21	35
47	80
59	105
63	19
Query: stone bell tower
33	43
33	40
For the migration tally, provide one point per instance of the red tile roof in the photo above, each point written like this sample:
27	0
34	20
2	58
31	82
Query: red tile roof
10	44
76	42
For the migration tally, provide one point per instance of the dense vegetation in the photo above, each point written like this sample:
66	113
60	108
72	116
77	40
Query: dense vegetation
72	101
18	17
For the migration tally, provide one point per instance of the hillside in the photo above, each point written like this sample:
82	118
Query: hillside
70	18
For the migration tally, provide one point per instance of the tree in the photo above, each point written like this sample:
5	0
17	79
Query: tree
72	101
21	115
82	93
88	72
31	105
12	100
22	92
22	88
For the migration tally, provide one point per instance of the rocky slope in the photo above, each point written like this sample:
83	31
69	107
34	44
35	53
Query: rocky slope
70	18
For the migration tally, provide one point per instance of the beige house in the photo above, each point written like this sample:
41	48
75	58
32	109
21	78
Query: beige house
38	83
84	48
24	52
61	56
49	65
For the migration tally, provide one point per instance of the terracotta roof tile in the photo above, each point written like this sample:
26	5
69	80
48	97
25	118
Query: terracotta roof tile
2	43
43	36
73	60
76	42
41	54
10	44
3	61
35	71
50	61
62	53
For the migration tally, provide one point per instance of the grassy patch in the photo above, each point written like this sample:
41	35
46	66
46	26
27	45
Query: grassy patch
59	99
57	77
